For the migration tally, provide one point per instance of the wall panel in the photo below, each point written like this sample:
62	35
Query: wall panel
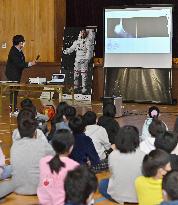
59	23
35	20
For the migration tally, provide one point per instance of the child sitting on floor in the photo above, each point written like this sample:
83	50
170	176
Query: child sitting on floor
155	165
124	165
170	188
41	119
168	142
108	122
57	118
84	151
98	135
6	186
26	153
26	112
53	169
69	113
80	185
5	170
153	112
156	128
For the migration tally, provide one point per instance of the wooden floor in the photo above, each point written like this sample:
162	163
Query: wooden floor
135	115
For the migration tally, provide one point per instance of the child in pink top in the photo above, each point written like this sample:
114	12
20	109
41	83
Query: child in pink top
53	169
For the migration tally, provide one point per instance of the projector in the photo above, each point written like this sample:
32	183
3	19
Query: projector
37	80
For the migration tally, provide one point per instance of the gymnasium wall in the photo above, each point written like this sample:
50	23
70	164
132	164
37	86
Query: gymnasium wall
32	18
41	22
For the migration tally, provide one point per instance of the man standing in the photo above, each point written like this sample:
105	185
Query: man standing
15	65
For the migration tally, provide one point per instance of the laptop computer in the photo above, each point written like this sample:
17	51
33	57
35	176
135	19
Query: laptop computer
57	78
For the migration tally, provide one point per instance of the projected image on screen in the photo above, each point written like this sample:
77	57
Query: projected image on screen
121	28
137	27
141	32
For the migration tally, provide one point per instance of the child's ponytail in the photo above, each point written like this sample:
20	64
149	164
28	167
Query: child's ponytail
56	164
62	142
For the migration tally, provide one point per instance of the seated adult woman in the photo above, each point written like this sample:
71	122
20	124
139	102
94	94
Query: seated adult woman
125	166
26	153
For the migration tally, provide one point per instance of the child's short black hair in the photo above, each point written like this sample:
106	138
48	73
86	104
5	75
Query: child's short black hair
153	161
69	112
153	111
60	112
89	118
79	184
76	125
26	123
109	110
170	184
166	142
157	127
26	103
61	106
127	139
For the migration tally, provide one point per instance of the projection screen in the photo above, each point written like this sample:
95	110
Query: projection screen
138	37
